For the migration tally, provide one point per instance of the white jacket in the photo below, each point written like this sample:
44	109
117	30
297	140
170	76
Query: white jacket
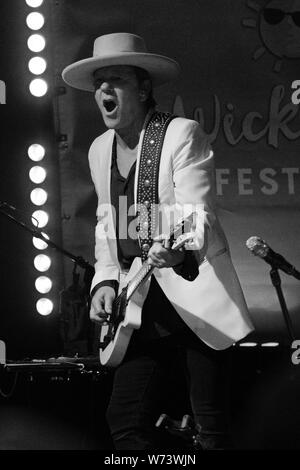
212	305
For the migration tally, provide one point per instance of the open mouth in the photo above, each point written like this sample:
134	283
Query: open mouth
109	105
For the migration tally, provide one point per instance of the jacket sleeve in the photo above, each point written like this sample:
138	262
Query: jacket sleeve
193	178
107	265
188	269
108	283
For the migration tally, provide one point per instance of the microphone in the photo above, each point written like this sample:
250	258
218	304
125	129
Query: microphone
260	248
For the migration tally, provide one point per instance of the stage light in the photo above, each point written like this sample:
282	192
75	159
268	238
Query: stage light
37	65
43	284
271	344
38	196
34	3
42	218
38	87
39	243
36	42
36	152
37	174
44	307
248	345
35	21
42	263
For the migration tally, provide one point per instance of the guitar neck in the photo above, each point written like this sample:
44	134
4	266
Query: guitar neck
139	278
146	270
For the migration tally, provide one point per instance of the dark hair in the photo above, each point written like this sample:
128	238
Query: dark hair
142	75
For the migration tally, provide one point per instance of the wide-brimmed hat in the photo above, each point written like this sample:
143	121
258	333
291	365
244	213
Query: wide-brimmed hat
120	49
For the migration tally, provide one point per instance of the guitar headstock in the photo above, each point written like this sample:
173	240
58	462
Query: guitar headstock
183	240
182	233
184	226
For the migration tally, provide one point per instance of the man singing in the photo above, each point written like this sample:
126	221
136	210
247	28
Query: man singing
194	309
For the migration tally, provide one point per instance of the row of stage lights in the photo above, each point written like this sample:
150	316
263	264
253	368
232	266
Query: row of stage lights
40	218
38	87
36	43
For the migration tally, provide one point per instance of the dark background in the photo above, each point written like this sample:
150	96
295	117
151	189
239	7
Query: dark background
24	120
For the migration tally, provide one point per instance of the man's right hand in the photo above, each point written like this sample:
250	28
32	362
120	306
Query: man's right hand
101	305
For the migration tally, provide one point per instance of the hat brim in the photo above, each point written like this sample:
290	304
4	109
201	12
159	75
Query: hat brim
160	68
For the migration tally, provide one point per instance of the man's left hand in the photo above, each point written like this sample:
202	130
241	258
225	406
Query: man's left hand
161	256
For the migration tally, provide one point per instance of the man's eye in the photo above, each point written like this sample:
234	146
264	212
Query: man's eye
97	84
99	81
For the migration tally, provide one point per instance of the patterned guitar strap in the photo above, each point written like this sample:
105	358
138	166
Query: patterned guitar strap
147	190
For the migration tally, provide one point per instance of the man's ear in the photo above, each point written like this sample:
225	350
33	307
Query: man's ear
145	90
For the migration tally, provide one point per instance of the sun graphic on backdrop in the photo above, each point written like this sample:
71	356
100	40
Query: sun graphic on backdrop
278	24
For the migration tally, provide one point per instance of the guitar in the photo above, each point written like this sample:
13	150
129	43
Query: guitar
127	307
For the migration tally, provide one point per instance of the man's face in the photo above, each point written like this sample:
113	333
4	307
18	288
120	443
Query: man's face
117	94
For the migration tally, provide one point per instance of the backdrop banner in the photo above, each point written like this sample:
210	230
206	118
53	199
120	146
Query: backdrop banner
238	67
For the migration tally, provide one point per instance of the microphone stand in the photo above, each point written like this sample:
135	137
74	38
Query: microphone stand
276	281
78	260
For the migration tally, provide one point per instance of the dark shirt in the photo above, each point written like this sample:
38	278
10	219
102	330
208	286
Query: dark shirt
122	199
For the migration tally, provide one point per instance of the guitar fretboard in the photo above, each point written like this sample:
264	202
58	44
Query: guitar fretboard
146	269
140	276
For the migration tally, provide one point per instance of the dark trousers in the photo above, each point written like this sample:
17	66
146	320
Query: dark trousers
140	381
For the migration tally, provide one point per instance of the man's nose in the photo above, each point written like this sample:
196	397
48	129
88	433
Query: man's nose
106	86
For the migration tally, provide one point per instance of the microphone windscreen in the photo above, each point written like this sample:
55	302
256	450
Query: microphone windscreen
257	246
